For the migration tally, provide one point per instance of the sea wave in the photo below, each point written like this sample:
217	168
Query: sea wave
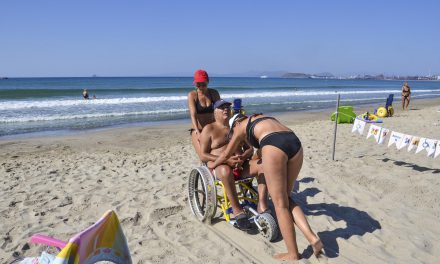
23	104
86	116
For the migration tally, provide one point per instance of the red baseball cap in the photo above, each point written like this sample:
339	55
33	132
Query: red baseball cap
201	76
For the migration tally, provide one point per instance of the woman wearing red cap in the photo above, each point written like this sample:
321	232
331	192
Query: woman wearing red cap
200	104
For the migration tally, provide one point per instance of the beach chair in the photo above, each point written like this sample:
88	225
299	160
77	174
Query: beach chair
388	110
237	107
103	241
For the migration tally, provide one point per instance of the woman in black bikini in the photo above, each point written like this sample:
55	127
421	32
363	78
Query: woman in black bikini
282	157
406	95
200	104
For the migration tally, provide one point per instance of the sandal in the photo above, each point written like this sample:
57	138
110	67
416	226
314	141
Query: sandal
242	222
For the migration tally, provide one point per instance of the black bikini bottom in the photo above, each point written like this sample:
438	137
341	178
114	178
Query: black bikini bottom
287	141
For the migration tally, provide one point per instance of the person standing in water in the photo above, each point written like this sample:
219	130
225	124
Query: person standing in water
85	94
406	95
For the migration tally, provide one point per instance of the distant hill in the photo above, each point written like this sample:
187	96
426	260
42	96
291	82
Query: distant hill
324	75
296	75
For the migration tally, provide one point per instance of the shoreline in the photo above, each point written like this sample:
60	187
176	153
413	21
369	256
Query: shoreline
321	112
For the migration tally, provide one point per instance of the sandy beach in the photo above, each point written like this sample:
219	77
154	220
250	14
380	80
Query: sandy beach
372	205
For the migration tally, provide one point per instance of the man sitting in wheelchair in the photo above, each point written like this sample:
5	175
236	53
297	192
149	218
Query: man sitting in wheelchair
213	140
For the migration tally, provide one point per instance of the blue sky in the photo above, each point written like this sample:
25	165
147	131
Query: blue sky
144	38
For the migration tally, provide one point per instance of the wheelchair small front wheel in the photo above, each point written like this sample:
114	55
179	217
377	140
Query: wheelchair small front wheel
202	194
269	228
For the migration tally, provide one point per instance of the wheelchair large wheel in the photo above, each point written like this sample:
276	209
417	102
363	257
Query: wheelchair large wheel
270	230
202	195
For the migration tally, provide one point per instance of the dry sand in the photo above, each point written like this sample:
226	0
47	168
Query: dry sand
373	205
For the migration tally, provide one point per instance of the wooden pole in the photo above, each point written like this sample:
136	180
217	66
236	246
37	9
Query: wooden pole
336	126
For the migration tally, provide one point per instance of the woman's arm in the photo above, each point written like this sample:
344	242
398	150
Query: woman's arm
230	149
192	111
248	151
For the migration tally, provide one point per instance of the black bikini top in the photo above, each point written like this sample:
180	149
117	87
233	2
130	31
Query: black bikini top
250	129
205	109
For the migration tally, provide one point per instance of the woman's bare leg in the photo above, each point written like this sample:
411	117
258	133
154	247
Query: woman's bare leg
255	169
293	168
275	171
407	102
196	143
403	102
263	195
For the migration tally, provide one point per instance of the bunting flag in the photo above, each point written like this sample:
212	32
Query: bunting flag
375	131
414	143
432	147
424	144
405	141
395	138
383	135
437	150
359	126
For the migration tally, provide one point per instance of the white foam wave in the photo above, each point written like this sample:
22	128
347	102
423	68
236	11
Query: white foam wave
11	105
15	105
85	116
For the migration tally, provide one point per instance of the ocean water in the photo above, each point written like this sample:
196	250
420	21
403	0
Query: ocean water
55	104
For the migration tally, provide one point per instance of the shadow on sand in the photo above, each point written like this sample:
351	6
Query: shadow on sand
357	222
411	165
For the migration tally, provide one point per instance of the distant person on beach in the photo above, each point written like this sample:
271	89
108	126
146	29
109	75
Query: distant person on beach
406	95
282	156
200	105
94	97
213	140
85	94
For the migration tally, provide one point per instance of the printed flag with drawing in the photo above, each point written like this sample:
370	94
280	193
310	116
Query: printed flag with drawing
414	143
395	138
426	144
405	141
359	126
432	146
383	134
374	131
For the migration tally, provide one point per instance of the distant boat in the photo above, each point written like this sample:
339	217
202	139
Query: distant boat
263	76
4	78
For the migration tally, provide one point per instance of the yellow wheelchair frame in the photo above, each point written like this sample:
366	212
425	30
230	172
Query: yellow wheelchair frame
245	193
205	194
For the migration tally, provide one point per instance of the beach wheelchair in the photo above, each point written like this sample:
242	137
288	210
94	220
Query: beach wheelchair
206	193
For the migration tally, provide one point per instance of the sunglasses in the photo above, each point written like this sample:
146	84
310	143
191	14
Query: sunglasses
224	107
201	85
